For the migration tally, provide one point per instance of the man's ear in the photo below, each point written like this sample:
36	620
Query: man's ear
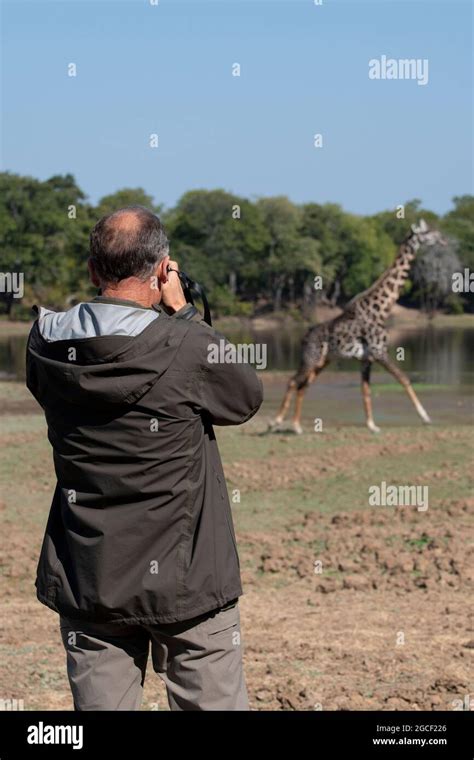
162	269
92	273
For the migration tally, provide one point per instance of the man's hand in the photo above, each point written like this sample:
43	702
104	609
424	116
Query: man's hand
172	296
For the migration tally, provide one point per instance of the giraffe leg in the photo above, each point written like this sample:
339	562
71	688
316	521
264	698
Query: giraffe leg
391	367
298	404
367	396
300	391
284	405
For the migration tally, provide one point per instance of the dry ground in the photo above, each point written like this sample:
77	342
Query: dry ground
346	606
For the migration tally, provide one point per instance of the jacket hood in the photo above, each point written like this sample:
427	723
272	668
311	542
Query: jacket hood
100	354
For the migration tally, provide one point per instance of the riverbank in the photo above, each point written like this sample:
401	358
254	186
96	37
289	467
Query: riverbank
401	317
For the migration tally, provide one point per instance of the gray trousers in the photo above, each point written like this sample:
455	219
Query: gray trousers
199	660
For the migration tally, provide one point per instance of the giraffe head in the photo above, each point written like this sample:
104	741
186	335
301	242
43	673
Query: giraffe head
423	235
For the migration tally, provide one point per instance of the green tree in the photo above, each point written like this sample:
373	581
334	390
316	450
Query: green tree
128	196
460	224
245	253
367	252
44	227
397	228
290	258
217	237
354	250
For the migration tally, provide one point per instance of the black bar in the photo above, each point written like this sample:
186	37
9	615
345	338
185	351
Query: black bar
313	734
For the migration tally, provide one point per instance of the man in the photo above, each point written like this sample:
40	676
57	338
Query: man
140	547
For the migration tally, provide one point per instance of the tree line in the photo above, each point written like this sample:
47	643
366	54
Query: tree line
252	256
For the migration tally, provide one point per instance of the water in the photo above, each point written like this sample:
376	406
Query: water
12	357
435	355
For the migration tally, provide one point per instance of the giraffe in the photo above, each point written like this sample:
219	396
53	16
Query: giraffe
360	333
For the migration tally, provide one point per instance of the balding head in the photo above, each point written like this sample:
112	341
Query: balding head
131	242
126	220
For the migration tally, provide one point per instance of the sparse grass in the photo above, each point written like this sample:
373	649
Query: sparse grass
441	463
418	543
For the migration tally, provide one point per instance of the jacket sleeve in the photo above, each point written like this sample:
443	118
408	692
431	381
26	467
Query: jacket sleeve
230	393
188	312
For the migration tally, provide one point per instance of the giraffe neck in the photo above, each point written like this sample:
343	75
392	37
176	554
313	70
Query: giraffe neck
383	295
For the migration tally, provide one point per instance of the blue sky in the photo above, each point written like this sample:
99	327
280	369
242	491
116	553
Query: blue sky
167	69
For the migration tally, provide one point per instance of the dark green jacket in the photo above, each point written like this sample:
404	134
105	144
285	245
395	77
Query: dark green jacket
140	527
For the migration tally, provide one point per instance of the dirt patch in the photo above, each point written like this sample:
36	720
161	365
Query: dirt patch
372	607
379	548
355	650
286	471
